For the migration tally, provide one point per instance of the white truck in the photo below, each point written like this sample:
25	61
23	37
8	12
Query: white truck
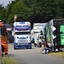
22	35
36	31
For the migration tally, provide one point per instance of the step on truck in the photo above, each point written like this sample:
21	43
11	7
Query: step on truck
22	35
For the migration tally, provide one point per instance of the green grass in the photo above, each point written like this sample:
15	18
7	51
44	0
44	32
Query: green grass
8	60
58	54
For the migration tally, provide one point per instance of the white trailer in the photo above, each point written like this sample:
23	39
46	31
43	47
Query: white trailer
36	31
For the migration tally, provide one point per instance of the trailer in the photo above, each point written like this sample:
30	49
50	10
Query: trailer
54	33
37	31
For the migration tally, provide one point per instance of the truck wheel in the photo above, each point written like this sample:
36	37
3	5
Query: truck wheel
30	47
15	48
27	47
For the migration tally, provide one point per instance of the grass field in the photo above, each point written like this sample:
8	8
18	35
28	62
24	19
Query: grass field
8	60
58	54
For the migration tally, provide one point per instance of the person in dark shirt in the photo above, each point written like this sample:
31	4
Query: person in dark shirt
46	47
33	41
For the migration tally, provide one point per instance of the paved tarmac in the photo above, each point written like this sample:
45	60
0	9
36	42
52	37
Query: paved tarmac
33	56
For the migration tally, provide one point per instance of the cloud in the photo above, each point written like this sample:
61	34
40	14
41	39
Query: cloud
5	2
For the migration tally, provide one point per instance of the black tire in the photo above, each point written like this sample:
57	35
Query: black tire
27	47
30	47
15	48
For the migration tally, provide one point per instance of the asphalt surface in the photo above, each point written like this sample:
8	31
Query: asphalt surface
33	56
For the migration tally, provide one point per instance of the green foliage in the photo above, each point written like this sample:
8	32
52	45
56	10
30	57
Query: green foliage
3	13
32	10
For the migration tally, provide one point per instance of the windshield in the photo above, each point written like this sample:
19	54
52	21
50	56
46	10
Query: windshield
21	33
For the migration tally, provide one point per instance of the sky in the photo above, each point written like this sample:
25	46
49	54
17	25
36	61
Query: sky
5	2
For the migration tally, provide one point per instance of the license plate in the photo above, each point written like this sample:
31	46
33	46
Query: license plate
21	43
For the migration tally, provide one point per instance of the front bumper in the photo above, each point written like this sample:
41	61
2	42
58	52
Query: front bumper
18	46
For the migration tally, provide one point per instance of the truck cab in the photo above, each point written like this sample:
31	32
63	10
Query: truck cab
22	35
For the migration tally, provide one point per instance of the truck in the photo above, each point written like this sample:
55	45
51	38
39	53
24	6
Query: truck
22	35
3	38
54	33
9	29
37	31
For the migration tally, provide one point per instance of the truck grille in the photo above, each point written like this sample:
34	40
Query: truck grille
22	41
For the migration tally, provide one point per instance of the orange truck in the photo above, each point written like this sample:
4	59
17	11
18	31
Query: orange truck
3	38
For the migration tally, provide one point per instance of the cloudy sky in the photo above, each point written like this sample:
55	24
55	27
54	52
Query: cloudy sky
5	2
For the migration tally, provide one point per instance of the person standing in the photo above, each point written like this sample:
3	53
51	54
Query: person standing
33	41
42	44
39	42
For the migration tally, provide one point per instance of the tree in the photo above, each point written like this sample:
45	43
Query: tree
33	10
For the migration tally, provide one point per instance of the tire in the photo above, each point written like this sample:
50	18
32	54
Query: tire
27	47
15	48
30	47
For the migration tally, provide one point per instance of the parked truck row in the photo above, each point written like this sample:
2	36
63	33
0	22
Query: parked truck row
53	31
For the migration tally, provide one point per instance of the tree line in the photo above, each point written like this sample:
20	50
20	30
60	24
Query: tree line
32	10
